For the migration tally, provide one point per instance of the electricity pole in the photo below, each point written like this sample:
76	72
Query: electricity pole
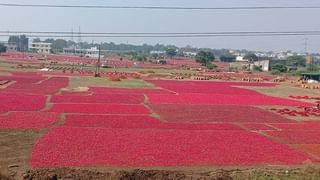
97	73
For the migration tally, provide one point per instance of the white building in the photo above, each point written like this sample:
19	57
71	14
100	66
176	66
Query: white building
241	59
93	52
40	47
190	54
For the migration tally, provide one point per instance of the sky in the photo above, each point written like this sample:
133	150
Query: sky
124	20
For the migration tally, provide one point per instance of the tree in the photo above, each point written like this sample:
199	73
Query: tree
36	40
296	61
313	68
251	57
279	68
22	42
171	52
211	66
140	57
204	57
3	48
227	58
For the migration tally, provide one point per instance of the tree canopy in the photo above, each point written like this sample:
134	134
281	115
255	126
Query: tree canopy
279	68
21	41
251	57
228	57
57	44
3	48
205	57
171	52
296	61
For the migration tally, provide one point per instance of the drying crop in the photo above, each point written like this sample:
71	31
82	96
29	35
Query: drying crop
215	113
305	112
222	99
257	126
120	121
21	102
297	136
111	121
28	120
306	125
99	109
66	146
107	98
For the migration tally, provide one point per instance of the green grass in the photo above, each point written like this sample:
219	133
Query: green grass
285	90
76	82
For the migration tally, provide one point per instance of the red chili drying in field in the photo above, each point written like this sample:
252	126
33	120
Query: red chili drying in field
215	113
65	146
28	120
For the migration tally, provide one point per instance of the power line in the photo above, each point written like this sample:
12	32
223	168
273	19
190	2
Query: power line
163	33
171	36
156	7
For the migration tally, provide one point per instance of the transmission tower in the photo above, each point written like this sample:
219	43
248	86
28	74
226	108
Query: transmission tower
72	34
306	45
79	37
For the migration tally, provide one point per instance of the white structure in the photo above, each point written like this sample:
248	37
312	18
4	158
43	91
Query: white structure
158	52
93	52
40	47
241	59
264	65
190	54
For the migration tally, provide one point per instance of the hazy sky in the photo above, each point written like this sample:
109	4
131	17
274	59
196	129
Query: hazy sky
121	20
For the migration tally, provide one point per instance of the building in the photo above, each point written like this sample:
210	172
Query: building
241	59
189	54
12	48
264	65
93	52
309	59
40	47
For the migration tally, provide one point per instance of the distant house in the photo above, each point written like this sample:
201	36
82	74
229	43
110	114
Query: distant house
40	47
12	47
241	59
93	52
265	65
189	54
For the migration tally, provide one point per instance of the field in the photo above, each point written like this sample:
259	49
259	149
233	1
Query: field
75	121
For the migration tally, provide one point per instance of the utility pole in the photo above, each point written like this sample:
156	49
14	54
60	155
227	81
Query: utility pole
306	45
97	73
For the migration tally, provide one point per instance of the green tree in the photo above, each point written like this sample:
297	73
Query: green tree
251	57
204	57
279	68
22	42
3	48
171	52
296	61
313	68
211	66
140	57
36	40
227	58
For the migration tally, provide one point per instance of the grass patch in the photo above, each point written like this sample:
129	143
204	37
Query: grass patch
76	82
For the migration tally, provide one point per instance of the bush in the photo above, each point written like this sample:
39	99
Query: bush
211	66
279	67
233	69
257	68
275	72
